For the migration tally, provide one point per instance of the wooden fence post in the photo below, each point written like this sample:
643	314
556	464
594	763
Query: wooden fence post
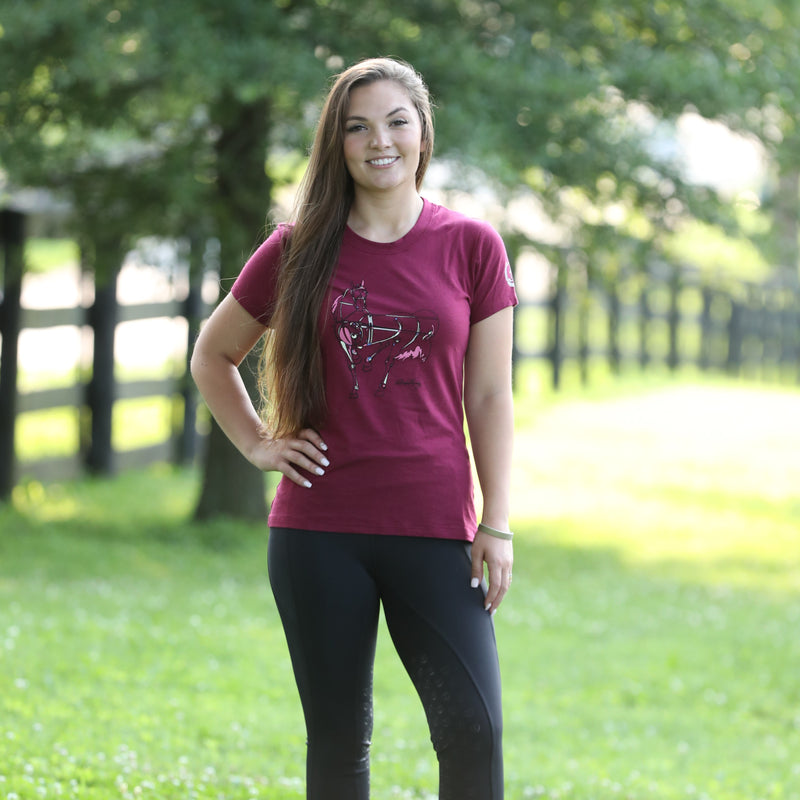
704	356
584	304
614	308
769	327
794	327
101	392
790	330
515	351
645	315
674	316
735	337
12	234
557	326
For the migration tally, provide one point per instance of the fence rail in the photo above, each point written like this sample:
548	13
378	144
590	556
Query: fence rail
568	318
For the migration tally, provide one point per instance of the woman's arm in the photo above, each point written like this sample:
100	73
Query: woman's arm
489	408
224	341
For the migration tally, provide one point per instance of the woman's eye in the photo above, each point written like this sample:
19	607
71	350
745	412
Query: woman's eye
400	121
355	128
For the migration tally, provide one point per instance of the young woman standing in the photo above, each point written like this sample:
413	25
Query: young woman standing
387	317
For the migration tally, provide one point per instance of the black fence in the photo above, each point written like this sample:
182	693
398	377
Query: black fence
657	314
87	397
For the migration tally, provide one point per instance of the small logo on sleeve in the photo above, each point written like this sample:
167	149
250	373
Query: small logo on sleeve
509	274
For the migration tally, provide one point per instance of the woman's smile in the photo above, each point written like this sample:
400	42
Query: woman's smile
383	162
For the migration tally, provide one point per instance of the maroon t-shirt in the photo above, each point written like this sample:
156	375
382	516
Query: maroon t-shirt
393	345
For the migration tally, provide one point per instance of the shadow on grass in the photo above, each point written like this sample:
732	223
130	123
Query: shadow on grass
156	504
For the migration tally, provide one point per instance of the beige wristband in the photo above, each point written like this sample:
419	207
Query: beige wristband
508	535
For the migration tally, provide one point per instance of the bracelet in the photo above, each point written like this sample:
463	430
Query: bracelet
507	535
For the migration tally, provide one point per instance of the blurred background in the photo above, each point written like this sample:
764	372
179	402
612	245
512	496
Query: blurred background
642	162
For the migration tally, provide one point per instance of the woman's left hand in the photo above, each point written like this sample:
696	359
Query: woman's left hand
498	555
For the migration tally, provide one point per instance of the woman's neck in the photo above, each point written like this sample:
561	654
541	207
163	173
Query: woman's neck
384	220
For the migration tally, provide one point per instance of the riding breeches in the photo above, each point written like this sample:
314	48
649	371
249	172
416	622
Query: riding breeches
329	588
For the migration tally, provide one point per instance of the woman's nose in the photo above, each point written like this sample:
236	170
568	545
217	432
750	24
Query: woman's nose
380	138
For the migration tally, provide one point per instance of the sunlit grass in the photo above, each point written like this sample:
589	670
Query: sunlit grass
51	432
649	644
138	423
704	473
42	255
56	432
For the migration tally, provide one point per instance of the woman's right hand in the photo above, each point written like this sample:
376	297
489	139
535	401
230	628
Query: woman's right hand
306	451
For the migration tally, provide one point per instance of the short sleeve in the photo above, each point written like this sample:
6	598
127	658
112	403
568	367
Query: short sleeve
256	286
493	281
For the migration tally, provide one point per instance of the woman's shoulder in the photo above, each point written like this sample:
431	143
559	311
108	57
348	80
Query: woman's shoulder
454	222
270	250
447	217
281	232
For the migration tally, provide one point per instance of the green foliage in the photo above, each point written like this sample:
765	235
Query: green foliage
648	645
716	254
155	105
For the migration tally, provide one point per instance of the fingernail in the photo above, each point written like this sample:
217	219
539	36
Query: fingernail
307	484
494	611
325	462
474	583
319	471
487	607
323	446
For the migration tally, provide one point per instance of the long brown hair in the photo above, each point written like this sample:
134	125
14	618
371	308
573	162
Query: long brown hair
291	376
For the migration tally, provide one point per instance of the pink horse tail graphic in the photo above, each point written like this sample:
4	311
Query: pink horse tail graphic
364	336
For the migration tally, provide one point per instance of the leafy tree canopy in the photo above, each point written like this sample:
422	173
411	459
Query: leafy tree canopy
537	94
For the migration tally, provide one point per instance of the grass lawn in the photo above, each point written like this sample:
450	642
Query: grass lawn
43	255
650	645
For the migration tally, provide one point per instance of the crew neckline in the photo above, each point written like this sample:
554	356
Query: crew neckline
356	240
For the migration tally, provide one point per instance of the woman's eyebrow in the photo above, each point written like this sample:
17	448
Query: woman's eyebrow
390	114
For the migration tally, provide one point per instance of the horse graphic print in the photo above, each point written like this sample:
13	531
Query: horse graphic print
388	338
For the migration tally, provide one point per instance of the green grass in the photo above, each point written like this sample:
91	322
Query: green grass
649	645
55	431
43	255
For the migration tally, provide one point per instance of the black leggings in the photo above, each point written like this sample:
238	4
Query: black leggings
328	588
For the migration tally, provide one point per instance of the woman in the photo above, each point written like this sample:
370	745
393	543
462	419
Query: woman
388	317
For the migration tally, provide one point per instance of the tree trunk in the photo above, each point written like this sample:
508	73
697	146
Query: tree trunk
231	486
186	445
102	389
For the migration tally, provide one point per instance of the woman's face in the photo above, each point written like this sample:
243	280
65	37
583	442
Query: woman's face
382	138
